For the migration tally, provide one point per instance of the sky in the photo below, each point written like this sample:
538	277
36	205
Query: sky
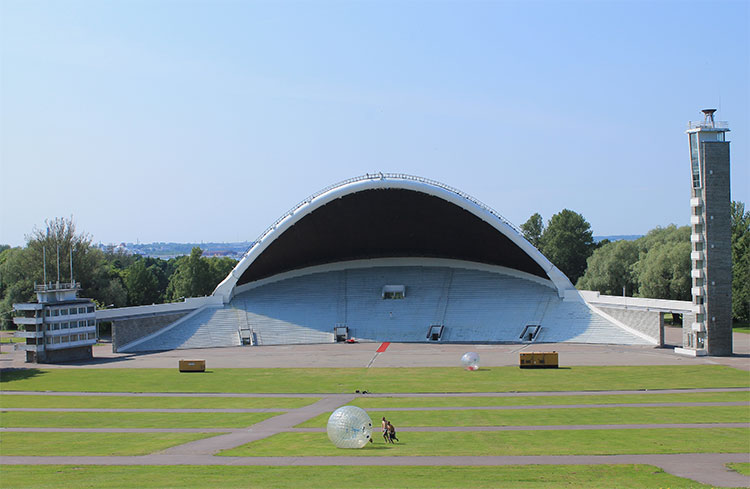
190	121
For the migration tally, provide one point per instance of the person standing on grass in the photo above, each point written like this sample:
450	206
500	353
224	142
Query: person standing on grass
391	432
384	426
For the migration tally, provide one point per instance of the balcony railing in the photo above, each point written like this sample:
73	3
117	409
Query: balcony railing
708	125
52	286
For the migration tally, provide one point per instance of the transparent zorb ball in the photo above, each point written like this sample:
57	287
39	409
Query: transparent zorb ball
349	427
470	361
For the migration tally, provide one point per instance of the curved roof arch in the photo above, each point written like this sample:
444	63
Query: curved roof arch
388	215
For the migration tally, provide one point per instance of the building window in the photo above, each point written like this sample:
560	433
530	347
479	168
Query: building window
90	309
56	312
92	322
81	310
92	336
393	292
63	312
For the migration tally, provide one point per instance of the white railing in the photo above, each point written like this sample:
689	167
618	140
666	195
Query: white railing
708	125
57	286
381	176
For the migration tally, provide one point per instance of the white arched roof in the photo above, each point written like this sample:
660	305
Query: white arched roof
226	288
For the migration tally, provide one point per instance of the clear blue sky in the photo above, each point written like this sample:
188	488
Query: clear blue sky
206	120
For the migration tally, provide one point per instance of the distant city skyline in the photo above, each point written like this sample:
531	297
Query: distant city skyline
205	121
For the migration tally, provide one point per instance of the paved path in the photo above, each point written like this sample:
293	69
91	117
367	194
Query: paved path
263	429
707	468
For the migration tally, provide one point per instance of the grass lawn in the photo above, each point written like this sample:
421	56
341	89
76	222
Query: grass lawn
4	340
415	402
544	417
743	469
133	402
741	329
53	419
576	442
232	477
91	444
329	380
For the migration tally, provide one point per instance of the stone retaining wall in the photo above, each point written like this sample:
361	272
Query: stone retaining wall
125	331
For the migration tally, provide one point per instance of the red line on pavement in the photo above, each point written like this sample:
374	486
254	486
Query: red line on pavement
383	346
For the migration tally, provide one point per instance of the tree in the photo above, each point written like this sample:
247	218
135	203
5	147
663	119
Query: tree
610	269
58	239
219	268
663	267
533	229
15	285
740	262
141	284
664	271
567	242
191	277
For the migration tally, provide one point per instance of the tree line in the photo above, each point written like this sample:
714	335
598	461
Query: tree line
112	278
656	265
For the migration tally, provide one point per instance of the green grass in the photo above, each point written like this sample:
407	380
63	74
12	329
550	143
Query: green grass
138	402
560	442
742	468
91	444
5	340
741	329
329	380
52	419
486	401
545	417
232	477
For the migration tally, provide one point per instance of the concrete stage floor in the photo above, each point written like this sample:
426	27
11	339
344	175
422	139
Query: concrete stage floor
399	355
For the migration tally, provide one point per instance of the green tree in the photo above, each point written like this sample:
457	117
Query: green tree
533	229
663	267
191	277
58	239
219	268
567	242
610	269
740	262
15	284
141	284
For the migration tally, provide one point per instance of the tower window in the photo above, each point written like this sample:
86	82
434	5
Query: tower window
695	160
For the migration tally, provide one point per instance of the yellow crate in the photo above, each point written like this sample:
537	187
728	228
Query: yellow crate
539	360
192	365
